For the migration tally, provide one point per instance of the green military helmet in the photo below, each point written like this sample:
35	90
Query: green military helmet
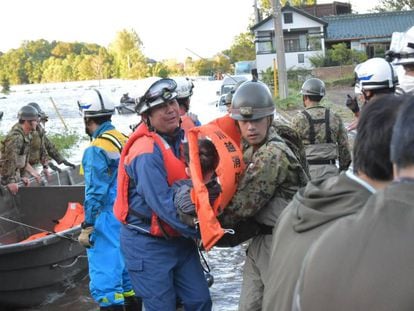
251	101
313	86
42	114
28	113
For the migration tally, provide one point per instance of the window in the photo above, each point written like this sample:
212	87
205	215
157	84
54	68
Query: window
295	42
301	58
264	40
288	18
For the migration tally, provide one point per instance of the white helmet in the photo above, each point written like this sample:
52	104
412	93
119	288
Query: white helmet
95	103
406	54
160	92
374	74
184	87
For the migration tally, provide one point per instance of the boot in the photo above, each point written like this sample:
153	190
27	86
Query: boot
133	303
112	308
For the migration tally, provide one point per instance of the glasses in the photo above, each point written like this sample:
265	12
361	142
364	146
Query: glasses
163	88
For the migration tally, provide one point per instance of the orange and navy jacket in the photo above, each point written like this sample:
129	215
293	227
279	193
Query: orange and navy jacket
149	165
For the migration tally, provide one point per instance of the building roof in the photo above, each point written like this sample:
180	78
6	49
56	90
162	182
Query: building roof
364	26
287	7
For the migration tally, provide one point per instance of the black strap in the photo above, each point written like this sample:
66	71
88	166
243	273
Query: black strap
321	162
265	229
115	141
327	127
312	123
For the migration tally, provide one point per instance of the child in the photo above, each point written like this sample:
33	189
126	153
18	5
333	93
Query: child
209	160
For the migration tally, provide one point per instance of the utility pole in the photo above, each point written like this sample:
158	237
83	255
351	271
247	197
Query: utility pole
280	49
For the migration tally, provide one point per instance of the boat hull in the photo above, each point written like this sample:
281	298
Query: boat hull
33	272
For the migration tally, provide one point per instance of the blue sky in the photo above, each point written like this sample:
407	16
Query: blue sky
168	28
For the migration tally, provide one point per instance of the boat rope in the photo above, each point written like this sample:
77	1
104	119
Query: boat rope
38	229
56	265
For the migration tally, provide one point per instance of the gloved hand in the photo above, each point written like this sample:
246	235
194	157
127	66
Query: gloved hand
352	104
85	236
185	206
67	163
54	167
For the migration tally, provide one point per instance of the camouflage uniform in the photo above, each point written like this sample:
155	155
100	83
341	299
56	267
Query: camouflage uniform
14	155
323	144
41	148
272	177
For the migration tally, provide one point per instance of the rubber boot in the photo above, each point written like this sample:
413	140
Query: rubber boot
113	308
133	303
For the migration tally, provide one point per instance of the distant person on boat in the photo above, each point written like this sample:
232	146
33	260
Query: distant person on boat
160	251
184	92
272	177
15	151
41	148
110	284
322	132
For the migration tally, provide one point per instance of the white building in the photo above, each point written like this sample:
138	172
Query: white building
303	37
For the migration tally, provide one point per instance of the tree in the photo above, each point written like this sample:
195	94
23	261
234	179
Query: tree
130	62
266	5
5	84
242	48
394	5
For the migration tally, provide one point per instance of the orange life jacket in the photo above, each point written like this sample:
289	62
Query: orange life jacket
174	167
73	217
229	127
228	172
186	123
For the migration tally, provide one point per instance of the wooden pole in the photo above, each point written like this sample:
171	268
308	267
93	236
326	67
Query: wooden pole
58	113
275	84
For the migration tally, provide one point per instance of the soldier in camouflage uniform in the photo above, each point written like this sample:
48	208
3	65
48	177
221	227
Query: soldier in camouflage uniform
272	177
322	133
41	148
15	150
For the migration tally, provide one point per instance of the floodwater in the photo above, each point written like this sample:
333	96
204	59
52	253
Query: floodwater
59	101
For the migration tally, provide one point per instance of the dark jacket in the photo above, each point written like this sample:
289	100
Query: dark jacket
312	210
365	262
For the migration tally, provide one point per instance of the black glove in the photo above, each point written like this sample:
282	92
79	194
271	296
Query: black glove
352	104
185	206
54	167
67	163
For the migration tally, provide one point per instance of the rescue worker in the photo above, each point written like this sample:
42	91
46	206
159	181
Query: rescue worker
110	284
374	77
160	251
41	148
322	132
15	151
184	93
366	262
272	177
405	58
322	202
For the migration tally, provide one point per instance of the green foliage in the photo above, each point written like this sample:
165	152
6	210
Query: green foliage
267	9
5	84
293	101
242	48
64	142
337	56
394	5
295	77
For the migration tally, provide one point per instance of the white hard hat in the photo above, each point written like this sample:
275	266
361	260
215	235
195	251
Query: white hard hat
95	103
184	87
159	92
406	54
375	73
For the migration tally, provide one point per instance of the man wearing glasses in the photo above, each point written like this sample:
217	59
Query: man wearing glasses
160	252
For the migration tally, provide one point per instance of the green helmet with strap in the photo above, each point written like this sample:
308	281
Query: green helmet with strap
313	86
28	113
251	101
